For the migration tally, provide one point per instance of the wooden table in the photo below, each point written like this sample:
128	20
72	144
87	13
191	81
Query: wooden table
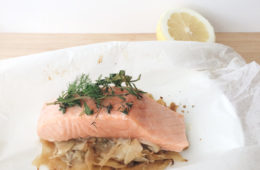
15	44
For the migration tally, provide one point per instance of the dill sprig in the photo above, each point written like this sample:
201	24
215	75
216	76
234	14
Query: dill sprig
83	88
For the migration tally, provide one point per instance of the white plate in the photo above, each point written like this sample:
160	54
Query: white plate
177	71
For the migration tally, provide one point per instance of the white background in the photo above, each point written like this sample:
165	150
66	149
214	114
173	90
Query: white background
120	16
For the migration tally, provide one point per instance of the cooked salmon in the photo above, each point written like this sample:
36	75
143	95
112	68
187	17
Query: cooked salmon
146	120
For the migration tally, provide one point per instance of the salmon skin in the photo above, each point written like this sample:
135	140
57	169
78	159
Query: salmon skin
146	120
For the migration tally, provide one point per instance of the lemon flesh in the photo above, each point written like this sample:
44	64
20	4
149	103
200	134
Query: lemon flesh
184	25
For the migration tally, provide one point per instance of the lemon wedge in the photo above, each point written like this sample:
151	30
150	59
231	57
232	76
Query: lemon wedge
185	25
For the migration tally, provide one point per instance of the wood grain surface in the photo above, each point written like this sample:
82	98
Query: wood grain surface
19	44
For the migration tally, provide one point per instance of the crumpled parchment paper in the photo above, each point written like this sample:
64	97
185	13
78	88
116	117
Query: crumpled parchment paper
223	127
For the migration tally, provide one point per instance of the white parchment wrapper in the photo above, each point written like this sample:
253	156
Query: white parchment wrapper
221	93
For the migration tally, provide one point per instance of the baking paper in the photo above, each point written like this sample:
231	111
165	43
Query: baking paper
217	92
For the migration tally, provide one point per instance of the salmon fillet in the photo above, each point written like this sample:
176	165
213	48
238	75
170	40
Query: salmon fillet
147	120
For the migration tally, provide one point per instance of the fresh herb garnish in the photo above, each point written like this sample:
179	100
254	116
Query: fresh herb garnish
109	108
127	107
87	110
83	88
